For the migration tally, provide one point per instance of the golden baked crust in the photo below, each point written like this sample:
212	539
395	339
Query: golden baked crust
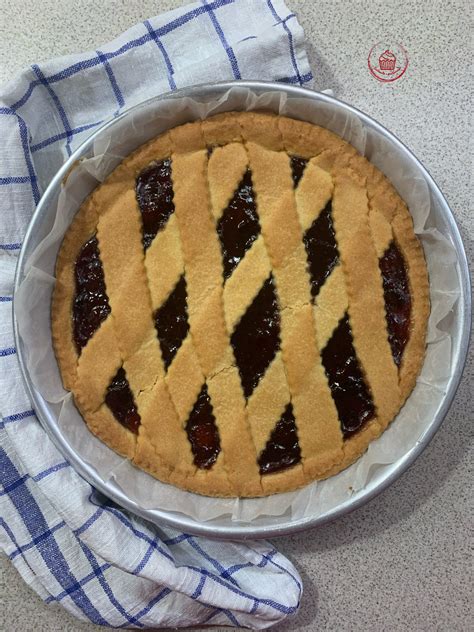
367	214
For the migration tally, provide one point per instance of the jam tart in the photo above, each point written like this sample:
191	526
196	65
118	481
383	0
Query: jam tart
241	307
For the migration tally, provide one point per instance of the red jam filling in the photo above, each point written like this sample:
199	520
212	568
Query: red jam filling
171	322
346	381
91	304
154	191
298	165
119	399
238	227
321	249
282	450
202	432
256	338
397	300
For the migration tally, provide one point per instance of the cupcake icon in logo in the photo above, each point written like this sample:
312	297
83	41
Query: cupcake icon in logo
387	61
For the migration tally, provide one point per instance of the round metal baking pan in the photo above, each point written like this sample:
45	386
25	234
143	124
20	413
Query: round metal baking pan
270	526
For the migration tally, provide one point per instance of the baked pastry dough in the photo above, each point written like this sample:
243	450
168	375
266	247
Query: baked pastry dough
241	307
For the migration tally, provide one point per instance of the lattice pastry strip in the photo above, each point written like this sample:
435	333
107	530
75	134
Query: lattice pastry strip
332	303
130	341
226	168
330	306
245	282
162	445
203	267
182	379
381	229
120	339
93	378
248	283
119	230
229	178
364	287
267	402
317	420
164	263
313	192
185	378
180	385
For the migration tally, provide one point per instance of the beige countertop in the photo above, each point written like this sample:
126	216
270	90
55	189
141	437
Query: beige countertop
402	561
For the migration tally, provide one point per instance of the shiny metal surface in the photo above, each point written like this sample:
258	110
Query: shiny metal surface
266	526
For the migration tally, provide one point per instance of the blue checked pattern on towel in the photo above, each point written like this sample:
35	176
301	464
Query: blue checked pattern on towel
72	545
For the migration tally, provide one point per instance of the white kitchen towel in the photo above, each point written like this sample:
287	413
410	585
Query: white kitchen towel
72	545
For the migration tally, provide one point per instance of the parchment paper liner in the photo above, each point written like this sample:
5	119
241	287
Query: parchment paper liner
33	299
